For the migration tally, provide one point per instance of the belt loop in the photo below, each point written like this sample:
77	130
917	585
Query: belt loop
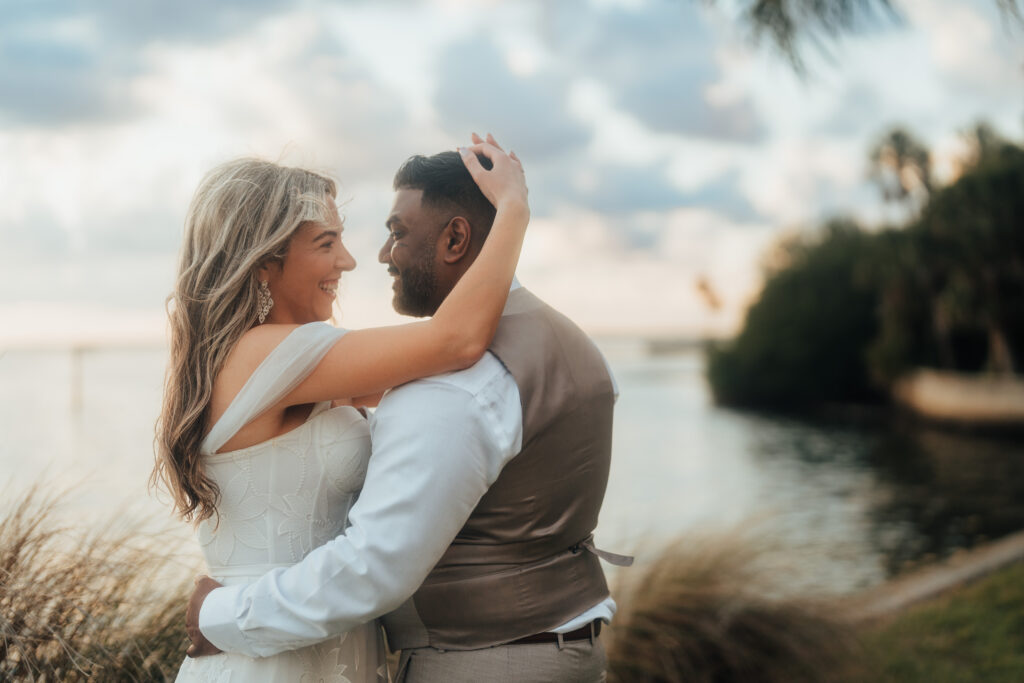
561	640
591	633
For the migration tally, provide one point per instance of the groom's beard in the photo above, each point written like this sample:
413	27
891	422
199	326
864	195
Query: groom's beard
417	286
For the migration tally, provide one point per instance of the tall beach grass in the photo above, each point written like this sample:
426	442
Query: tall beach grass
75	604
108	605
716	610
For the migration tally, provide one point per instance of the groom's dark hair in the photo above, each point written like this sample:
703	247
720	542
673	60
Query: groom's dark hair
447	184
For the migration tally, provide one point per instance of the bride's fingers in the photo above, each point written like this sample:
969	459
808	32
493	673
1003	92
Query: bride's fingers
492	141
477	140
494	154
501	163
486	149
473	164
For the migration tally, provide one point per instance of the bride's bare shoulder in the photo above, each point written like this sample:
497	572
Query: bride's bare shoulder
251	350
260	341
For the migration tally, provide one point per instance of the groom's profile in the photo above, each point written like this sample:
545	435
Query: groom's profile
472	537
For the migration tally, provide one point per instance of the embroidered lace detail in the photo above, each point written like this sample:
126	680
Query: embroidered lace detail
213	669
279	500
325	664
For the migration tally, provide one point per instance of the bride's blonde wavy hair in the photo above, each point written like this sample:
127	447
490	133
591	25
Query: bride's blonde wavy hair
242	216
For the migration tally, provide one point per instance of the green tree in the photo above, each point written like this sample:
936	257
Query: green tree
803	342
975	228
953	281
901	166
846	312
986	146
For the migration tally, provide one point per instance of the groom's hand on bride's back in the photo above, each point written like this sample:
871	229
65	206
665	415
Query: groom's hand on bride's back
200	646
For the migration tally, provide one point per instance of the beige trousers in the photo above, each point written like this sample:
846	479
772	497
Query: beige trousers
578	661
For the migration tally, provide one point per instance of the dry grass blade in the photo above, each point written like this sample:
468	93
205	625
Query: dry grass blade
75	605
705	611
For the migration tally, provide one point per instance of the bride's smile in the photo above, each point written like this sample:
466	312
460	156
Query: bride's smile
304	283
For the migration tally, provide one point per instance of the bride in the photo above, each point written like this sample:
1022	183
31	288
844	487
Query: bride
259	439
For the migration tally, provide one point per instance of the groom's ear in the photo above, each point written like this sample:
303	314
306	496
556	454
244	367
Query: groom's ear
455	240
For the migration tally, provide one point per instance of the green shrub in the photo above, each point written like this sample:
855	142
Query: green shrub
804	340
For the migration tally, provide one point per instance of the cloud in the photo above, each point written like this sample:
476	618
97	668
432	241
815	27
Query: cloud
974	43
725	196
478	91
285	91
659	60
193	21
616	189
581	264
859	112
134	22
619	189
49	77
654	143
39	231
62	62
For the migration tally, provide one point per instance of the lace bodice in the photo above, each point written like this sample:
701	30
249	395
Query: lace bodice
281	498
284	497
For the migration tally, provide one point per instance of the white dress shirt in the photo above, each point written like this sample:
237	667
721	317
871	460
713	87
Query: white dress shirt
438	445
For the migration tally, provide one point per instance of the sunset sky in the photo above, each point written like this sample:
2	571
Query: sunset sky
661	147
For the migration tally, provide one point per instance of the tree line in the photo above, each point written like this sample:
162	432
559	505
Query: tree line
845	310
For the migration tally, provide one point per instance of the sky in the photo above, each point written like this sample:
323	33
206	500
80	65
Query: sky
662	148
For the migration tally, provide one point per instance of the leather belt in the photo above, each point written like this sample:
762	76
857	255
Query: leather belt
583	633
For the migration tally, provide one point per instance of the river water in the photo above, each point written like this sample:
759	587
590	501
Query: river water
849	505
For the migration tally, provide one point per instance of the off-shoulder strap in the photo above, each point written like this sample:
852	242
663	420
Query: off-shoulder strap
289	363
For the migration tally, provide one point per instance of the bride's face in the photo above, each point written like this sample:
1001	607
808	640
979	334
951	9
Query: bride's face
304	284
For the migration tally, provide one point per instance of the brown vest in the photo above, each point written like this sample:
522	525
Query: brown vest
519	565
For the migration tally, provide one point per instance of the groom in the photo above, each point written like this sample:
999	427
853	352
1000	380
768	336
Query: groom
472	534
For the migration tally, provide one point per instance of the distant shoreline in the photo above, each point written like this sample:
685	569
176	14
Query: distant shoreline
965	567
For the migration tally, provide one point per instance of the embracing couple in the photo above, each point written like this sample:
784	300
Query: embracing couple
467	532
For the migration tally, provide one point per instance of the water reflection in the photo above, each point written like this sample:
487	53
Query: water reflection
949	491
850	505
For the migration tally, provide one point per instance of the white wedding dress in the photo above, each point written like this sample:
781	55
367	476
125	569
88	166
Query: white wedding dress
280	499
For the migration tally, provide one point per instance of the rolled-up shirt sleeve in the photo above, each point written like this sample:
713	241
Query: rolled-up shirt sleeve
437	448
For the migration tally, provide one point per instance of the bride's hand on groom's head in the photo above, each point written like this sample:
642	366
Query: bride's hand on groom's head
504	184
490	140
200	646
